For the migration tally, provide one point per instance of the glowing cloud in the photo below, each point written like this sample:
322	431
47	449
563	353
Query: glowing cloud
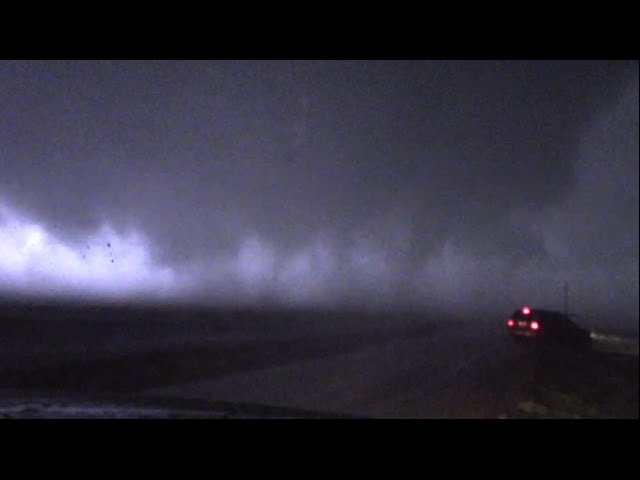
106	263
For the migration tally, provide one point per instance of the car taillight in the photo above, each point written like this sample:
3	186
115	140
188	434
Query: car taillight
510	323
526	310
534	326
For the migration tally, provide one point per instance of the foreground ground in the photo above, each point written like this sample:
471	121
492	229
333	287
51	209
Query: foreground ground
382	366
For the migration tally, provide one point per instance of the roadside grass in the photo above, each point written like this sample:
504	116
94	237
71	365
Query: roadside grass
596	386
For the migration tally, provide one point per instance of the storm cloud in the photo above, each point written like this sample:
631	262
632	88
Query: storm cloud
457	184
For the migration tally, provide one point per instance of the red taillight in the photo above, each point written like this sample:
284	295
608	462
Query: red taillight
534	326
526	310
510	323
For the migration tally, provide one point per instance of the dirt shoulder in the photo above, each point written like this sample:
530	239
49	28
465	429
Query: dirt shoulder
602	383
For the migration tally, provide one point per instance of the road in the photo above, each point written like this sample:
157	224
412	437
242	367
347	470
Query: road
381	366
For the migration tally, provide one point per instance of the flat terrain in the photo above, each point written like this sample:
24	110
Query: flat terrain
372	365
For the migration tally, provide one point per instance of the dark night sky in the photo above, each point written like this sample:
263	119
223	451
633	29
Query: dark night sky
454	184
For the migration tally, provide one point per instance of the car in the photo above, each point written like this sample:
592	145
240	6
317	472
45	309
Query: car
546	327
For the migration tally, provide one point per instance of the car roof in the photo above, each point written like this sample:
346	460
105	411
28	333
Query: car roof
541	313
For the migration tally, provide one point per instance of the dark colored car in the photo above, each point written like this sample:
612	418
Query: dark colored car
547	326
